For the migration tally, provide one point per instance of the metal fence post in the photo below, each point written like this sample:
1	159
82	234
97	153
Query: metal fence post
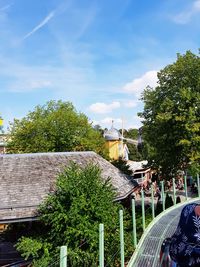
121	237
198	185
163	194
63	256
143	211
185	185
174	191
134	224
101	245
152	203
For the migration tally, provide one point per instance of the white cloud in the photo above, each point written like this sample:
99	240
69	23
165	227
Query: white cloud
41	24
130	103
196	5
185	16
108	120
103	108
62	80
134	122
139	84
5	7
29	78
39	84
30	85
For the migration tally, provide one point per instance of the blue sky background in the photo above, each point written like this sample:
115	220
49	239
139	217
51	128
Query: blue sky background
99	55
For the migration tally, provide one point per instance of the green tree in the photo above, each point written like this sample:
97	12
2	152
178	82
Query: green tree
172	116
133	149
98	128
122	166
71	217
54	127
134	154
131	133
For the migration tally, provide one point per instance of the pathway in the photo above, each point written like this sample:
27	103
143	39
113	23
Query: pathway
164	225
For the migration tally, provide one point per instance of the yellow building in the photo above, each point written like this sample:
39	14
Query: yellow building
114	142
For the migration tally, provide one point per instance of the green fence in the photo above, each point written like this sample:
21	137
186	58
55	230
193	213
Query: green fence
63	249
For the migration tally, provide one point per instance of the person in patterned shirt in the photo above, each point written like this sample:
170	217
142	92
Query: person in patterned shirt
185	242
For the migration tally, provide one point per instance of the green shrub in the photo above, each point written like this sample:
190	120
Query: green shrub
71	217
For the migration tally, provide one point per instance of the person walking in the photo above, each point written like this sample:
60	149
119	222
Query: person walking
185	243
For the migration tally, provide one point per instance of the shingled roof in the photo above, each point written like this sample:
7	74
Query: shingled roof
26	179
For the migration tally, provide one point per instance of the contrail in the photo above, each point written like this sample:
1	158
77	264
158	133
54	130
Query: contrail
40	25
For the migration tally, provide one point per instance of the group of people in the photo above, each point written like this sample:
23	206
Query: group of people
147	190
179	184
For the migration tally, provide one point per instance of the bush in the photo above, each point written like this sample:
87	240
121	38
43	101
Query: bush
71	217
122	166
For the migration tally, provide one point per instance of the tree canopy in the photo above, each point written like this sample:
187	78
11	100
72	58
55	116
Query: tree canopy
172	115
134	154
130	133
71	217
54	127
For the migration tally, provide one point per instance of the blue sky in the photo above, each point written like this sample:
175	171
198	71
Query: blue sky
97	54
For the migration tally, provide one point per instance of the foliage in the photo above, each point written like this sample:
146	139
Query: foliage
148	219
133	149
71	217
134	153
32	248
54	127
98	128
171	116
143	150
122	166
130	133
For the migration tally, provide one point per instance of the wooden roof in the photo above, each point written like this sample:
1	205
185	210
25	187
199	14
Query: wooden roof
26	179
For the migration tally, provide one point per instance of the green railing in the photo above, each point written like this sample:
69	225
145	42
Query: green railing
147	231
63	250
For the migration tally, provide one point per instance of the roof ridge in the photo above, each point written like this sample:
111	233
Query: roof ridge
48	154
